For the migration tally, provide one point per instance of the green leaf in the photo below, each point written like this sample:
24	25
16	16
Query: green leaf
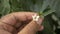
44	5
48	12
5	7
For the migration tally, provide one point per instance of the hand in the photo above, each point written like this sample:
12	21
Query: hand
15	22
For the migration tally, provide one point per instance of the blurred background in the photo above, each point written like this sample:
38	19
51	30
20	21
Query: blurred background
52	18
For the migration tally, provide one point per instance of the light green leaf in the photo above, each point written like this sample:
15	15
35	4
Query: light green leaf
48	12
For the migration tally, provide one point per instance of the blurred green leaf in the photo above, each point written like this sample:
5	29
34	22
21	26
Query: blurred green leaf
55	4
48	12
5	7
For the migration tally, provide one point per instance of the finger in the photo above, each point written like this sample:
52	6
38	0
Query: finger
30	28
41	28
23	16
13	18
38	23
19	29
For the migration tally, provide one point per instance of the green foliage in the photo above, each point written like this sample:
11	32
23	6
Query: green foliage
4	7
50	9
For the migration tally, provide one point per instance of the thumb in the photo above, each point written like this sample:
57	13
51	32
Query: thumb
31	28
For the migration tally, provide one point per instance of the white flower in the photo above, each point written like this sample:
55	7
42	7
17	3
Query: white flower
35	17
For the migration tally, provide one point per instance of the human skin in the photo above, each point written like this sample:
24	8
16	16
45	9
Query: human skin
18	22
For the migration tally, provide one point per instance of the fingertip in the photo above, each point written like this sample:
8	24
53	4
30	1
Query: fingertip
41	28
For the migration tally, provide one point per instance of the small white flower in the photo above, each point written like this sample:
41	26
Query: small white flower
35	17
